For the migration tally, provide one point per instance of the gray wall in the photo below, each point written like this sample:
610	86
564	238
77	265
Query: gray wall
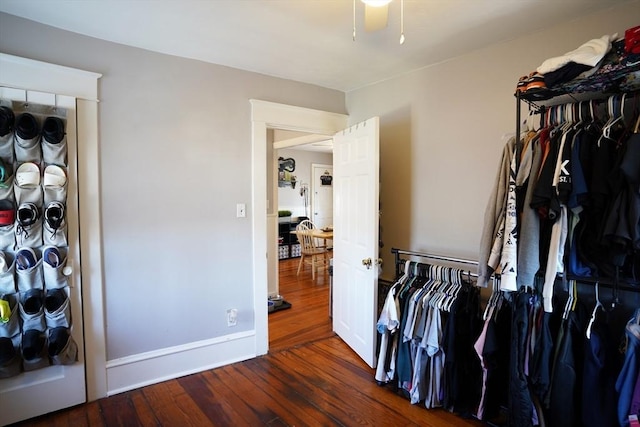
175	148
442	130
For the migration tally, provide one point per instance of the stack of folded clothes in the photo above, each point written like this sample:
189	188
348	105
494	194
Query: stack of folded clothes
599	65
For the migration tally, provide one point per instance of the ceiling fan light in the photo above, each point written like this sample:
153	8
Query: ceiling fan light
376	3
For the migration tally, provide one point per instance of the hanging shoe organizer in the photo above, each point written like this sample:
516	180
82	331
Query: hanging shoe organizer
35	311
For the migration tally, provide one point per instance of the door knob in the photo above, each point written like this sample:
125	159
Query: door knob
367	262
379	261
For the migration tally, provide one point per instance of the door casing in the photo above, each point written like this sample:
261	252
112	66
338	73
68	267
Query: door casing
269	115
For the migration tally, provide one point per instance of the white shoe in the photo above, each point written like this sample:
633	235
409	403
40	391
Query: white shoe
28	174
54	176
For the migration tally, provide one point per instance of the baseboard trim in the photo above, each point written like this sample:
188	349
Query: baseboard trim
139	370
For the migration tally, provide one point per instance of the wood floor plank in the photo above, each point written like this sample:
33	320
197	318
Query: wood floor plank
360	393
335	396
245	397
238	409
261	400
173	406
292	409
144	411
119	411
210	404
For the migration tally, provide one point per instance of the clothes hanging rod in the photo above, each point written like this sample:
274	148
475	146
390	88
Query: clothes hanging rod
434	256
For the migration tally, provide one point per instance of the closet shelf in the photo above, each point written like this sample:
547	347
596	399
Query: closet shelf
621	80
617	72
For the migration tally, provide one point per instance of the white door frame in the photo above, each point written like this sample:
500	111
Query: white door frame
30	75
313	186
269	115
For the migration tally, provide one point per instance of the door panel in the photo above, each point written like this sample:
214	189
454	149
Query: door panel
322	205
355	285
55	387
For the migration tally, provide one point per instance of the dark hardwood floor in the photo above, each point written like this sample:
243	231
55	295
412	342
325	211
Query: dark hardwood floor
309	378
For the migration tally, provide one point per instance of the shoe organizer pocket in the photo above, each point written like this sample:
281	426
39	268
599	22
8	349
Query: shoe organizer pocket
34	350
10	359
12	327
7	237
63	350
28	150
30	236
6	149
57	309
7	278
6	189
54	154
53	276
28	194
53	237
55	194
30	278
32	310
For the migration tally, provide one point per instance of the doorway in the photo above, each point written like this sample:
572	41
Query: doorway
307	316
265	116
298	194
356	262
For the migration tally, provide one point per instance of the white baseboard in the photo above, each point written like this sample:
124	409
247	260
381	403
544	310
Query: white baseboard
152	367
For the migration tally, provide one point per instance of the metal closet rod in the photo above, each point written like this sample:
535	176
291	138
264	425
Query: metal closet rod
397	251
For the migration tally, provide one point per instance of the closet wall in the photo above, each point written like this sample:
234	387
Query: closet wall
442	130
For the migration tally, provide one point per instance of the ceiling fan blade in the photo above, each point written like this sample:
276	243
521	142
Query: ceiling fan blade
375	18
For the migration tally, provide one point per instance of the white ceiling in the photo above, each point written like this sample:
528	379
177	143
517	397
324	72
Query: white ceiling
305	40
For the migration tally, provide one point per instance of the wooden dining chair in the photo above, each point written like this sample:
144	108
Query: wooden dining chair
310	251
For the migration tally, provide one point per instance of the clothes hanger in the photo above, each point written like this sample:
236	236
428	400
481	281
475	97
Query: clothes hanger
447	291
492	299
595	312
401	282
573	296
457	285
615	119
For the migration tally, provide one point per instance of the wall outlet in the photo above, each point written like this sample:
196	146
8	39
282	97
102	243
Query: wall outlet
232	317
241	210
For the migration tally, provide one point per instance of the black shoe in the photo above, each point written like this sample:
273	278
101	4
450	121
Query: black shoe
34	350
53	130
7	120
33	344
54	216
26	126
9	359
32	301
63	350
54	299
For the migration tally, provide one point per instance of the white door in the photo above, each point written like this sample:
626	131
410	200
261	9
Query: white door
322	195
355	269
51	388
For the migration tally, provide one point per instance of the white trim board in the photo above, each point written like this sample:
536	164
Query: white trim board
27	74
152	367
